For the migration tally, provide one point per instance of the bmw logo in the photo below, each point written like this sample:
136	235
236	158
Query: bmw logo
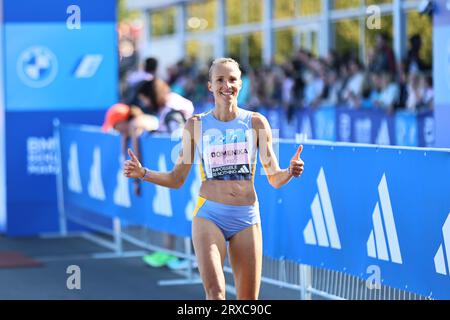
37	66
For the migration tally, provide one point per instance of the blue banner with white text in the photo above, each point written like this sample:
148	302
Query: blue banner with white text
61	61
350	125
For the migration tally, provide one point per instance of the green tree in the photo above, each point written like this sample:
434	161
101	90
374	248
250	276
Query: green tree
123	14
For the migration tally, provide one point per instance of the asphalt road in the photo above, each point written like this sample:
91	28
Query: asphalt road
101	277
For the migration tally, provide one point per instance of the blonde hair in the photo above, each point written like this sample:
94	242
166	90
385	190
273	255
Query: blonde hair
222	61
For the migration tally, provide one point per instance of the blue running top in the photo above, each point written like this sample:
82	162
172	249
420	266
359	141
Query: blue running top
227	149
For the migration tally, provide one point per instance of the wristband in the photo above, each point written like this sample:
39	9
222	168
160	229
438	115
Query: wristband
146	174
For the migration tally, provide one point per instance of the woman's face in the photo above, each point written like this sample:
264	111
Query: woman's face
225	82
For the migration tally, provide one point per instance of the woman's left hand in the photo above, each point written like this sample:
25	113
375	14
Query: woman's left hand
296	165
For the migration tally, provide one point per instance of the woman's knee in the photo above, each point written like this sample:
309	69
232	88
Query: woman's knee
215	292
247	296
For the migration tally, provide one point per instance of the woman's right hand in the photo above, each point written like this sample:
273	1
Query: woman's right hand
133	168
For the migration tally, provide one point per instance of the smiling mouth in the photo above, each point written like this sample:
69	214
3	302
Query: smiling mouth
226	94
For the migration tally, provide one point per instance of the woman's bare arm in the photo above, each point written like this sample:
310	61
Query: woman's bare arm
172	179
276	176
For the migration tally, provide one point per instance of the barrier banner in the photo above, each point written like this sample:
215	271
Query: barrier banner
406	129
426	128
365	126
355	125
441	71
94	180
60	62
366	211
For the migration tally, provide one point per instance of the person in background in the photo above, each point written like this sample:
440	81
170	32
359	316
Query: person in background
389	93
330	94
128	121
383	59
413	61
371	91
172	110
131	123
244	97
352	91
136	78
426	82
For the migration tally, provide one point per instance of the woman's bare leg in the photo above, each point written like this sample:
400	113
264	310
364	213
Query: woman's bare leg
210	250
245	254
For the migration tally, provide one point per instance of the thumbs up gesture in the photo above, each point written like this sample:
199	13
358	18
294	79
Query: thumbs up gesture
296	164
133	168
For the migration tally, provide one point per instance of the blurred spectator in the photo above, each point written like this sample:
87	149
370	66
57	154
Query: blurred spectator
244	94
319	84
287	87
414	92
178	78
420	92
413	62
388	94
428	92
171	108
371	91
146	72
299	83
353	89
254	101
268	86
333	86
383	58
131	123
403	86
332	60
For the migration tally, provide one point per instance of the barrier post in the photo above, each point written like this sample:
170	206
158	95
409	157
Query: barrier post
305	281
117	234
59	180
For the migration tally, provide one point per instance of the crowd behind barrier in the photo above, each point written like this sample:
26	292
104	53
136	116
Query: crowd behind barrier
367	211
305	80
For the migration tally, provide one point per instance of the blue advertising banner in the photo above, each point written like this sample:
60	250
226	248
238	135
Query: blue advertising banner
426	127
50	67
306	123
390	212
325	124
60	61
355	125
376	215
406	129
94	180
365	126
31	159
441	71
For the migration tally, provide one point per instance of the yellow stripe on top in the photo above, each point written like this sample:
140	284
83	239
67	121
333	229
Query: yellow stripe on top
202	172
200	202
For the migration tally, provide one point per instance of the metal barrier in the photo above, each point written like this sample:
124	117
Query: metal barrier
317	283
307	283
